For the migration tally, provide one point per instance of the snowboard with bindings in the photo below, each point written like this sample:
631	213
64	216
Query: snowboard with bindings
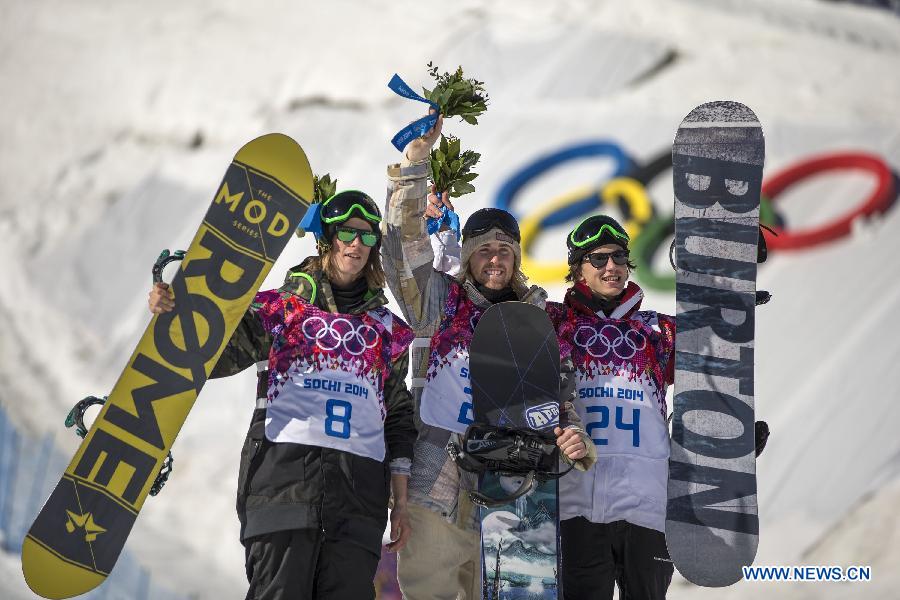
712	526
514	362
81	529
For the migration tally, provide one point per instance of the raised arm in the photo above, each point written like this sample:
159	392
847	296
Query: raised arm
406	249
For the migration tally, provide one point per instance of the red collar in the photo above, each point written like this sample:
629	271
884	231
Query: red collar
580	299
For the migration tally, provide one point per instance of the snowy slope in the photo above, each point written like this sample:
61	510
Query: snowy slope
119	118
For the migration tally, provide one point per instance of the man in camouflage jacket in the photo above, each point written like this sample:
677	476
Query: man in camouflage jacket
442	558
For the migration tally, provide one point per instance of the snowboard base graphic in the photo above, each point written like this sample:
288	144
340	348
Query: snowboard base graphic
514	361
79	533
711	519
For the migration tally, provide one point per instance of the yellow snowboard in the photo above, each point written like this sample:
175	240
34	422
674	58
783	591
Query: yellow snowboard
81	530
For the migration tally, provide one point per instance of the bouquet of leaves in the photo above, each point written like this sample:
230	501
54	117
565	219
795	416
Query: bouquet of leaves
323	187
457	96
451	169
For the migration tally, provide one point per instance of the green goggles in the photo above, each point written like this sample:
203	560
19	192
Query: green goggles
341	206
581	243
348	234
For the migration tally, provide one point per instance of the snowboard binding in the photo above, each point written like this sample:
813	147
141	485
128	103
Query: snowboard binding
75	418
165	257
508	452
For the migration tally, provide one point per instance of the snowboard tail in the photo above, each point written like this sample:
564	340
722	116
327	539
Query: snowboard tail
712	526
79	533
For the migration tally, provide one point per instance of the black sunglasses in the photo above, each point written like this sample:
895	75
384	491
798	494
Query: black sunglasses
598	260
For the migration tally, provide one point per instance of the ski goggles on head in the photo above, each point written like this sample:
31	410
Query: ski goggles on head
588	232
343	205
348	234
486	219
599	260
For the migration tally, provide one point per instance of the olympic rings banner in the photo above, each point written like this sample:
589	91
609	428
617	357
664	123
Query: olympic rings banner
627	188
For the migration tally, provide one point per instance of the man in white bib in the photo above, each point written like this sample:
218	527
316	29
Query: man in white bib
331	441
613	516
443	556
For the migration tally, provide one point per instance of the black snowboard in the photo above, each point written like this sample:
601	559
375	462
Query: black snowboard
712	527
514	362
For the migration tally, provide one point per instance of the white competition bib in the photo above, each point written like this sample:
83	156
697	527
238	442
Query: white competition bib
447	397
621	417
331	408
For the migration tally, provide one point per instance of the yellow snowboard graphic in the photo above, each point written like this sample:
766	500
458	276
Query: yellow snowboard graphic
78	535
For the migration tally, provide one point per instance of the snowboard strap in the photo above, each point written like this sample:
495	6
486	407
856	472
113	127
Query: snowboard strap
507	452
165	257
76	418
481	500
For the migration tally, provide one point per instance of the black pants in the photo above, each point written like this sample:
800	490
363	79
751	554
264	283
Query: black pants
596	555
303	564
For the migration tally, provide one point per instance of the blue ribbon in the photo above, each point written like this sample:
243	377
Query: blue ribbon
417	128
311	222
448	217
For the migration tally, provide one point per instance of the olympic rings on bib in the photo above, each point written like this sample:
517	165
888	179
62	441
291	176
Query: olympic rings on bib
600	343
882	196
340	333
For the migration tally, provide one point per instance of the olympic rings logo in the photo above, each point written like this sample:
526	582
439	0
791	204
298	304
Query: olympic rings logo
600	343
626	191
340	333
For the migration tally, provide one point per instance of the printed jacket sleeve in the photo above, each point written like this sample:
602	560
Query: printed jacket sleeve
406	248
399	428
568	416
667	327
250	342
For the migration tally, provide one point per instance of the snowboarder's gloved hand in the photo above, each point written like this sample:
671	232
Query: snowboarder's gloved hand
761	429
